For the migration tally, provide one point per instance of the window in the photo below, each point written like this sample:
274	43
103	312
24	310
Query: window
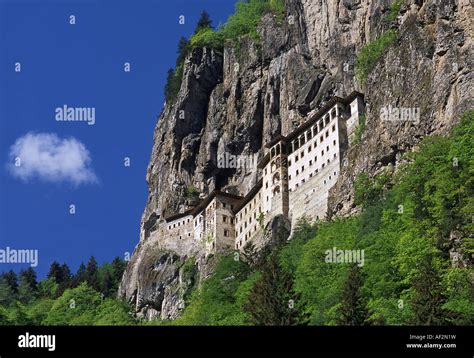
315	159
323	165
327	134
296	158
297	172
302	169
334	142
302	154
310	163
226	233
309	148
334	128
224	218
289	177
289	163
322	152
266	185
328	161
321	139
223	205
327	148
329	177
335	155
325	182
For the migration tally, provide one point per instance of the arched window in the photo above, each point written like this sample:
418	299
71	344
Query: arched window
276	178
276	190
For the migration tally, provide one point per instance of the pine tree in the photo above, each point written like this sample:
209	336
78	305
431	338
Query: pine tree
27	288
66	279
56	272
80	275
183	49
204	22
6	293
29	276
107	284
170	85
12	280
270	301
428	299
353	312
118	267
92	276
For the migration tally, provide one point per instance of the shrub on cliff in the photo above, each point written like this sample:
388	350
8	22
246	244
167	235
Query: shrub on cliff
371	53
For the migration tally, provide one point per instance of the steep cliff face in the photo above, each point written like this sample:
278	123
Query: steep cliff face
238	100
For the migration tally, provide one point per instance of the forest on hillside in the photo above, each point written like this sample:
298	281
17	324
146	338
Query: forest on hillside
415	228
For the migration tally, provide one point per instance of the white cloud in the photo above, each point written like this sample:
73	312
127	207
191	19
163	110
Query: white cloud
47	157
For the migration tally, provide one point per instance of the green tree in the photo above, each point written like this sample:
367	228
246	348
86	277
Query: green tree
80	275
12	280
352	309
204	22
113	312
92	275
271	301
6	293
48	288
76	306
428	298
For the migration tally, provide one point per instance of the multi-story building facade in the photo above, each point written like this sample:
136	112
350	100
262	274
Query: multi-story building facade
296	173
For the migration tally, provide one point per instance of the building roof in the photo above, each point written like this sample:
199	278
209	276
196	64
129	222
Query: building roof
315	117
327	106
203	204
179	215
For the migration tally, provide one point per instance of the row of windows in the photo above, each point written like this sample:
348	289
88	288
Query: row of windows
318	127
179	223
334	143
311	175
310	164
247	236
251	219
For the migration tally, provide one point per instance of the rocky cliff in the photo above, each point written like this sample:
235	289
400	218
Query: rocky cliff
236	100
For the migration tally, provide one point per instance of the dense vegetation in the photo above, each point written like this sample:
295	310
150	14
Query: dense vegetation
86	298
370	54
243	22
404	229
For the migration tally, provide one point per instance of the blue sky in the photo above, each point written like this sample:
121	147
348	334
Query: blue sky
82	65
